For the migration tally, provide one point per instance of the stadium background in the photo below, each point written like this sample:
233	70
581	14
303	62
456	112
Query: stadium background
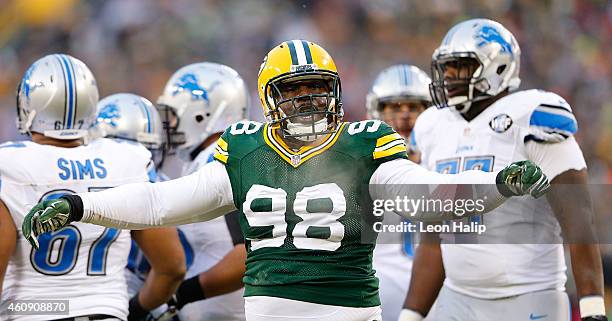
135	45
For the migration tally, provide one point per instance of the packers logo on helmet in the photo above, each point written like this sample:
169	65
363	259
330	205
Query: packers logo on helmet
300	90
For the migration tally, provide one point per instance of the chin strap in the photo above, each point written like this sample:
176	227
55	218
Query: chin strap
24	128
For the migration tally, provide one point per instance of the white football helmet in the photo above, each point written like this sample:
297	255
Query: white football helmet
496	53
134	118
398	82
199	100
130	117
57	97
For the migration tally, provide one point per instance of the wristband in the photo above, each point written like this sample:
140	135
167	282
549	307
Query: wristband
409	315
189	291
76	207
591	306
136	311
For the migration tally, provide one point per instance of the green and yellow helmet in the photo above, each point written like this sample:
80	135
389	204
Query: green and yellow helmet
297	61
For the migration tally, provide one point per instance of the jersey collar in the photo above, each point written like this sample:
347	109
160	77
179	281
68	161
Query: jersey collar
305	153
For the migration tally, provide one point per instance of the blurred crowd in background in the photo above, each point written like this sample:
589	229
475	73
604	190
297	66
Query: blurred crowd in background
135	45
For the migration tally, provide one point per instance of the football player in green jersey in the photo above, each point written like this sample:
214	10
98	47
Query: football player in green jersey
301	182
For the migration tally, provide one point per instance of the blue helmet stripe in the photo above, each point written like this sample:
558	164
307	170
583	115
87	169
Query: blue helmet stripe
70	102
64	72
75	106
553	121
294	59
146	111
307	52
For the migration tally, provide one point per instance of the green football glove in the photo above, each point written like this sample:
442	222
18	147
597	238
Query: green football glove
522	178
45	217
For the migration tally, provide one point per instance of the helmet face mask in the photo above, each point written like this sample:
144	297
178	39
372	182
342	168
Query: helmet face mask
170	123
305	107
457	81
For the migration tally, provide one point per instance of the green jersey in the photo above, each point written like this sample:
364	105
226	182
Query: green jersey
303	212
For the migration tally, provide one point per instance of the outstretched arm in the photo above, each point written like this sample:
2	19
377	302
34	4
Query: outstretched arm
201	196
482	190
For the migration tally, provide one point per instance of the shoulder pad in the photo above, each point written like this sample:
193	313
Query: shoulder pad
379	140
236	138
550	118
10	148
6	150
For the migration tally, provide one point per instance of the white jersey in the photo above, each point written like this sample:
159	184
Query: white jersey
535	125
392	261
210	242
82	263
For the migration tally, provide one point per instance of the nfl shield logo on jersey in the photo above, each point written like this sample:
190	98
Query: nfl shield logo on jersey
295	159
500	123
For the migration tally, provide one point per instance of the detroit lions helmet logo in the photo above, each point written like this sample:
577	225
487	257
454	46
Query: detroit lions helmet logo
26	86
26	81
189	83
488	34
109	114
